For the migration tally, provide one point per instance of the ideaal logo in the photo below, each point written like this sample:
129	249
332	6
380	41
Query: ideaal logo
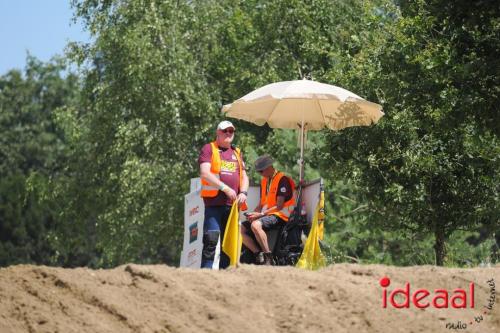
440	299
460	298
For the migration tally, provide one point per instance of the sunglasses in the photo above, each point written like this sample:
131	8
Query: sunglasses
228	130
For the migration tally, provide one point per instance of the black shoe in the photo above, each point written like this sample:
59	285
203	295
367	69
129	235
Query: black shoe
268	259
259	258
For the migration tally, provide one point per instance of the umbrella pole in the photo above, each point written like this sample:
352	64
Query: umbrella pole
301	160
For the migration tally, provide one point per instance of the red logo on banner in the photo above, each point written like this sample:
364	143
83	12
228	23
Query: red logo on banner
401	298
194	211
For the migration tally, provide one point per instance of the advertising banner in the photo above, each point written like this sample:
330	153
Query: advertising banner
193	230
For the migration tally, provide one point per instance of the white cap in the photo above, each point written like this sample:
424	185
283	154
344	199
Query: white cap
224	124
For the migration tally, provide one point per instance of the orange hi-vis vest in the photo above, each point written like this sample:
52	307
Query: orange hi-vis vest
270	199
209	190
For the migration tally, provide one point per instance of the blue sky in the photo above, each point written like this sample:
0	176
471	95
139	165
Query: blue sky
42	27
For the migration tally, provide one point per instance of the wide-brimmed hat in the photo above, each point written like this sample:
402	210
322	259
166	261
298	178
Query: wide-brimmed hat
263	162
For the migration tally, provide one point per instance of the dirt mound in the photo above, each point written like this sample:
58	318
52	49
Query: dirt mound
340	298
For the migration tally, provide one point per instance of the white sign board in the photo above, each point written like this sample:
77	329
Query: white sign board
310	197
195	184
193	230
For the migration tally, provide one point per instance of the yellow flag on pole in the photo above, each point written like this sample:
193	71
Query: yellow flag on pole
231	244
321	215
311	257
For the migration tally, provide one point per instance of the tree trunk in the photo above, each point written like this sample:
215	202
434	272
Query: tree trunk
439	245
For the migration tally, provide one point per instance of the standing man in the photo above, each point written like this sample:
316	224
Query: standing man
223	180
276	204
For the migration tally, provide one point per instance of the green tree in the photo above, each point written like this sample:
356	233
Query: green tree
148	106
432	163
32	151
157	73
156	76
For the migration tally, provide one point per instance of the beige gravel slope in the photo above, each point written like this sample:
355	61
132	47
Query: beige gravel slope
136	298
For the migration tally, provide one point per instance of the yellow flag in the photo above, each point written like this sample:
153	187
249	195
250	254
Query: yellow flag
321	215
231	244
311	257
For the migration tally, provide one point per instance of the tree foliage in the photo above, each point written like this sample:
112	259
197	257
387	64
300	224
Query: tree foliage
156	76
32	152
432	163
95	168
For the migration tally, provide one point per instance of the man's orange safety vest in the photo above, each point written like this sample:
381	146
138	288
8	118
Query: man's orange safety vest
270	199
209	190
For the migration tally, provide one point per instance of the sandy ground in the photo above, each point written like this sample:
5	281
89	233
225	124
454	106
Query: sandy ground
339	298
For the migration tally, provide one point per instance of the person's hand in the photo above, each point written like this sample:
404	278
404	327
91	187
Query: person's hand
231	194
242	198
254	216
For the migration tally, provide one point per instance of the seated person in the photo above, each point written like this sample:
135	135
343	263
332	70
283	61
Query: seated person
275	206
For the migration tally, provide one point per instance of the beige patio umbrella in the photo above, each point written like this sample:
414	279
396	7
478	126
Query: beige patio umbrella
304	105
